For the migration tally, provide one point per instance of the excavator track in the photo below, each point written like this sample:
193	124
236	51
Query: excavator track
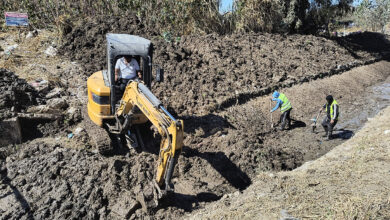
102	141
99	137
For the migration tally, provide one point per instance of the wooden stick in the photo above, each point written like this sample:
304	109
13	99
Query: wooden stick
270	106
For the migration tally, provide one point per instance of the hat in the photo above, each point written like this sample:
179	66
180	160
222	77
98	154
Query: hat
275	94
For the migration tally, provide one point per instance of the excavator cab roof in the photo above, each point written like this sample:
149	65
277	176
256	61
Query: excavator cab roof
119	45
125	44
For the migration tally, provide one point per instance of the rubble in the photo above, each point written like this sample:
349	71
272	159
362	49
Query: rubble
16	95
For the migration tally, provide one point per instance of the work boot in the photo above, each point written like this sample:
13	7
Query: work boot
329	136
326	131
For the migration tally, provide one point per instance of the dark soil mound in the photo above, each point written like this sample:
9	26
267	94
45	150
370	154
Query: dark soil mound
211	72
15	94
86	43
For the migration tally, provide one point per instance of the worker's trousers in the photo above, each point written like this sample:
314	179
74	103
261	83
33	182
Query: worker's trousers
285	119
123	84
328	127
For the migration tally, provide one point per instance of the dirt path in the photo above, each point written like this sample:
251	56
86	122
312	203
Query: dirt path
349	182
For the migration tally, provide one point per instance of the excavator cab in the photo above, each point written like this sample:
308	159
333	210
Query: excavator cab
102	89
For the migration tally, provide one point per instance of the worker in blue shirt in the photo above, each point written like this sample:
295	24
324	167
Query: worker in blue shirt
285	108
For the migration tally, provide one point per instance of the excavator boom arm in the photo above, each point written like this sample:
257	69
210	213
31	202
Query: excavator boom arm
170	129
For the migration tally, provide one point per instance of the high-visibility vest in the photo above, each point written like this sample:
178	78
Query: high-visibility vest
331	109
286	104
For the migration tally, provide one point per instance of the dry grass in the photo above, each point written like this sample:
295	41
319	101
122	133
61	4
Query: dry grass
259	16
28	60
166	16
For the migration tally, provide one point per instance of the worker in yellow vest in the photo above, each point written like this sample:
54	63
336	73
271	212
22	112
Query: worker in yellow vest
332	116
285	108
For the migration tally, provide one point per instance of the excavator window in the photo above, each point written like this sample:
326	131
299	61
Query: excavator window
139	60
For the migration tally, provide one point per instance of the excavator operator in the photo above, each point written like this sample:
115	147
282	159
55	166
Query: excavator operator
126	68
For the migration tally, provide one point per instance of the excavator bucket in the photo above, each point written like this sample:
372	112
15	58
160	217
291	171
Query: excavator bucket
152	196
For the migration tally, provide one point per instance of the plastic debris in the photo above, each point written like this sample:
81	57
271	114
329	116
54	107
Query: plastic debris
78	130
51	51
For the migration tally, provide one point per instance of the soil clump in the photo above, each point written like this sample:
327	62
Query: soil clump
16	95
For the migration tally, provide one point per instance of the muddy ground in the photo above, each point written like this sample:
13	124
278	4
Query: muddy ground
227	127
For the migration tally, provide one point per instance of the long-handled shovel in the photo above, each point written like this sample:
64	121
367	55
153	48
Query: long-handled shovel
314	125
270	106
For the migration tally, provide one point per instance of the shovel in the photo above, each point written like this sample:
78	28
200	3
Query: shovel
270	106
314	125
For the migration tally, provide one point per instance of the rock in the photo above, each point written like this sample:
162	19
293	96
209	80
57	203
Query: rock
71	111
124	208
57	103
387	132
42	109
53	106
56	92
73	114
51	51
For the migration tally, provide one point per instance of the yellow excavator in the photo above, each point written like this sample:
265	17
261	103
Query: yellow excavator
120	114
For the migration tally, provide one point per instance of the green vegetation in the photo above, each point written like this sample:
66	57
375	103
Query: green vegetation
373	14
173	18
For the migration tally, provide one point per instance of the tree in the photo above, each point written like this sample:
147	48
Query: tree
324	12
373	14
295	14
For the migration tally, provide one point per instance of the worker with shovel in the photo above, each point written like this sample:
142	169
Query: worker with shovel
332	116
285	108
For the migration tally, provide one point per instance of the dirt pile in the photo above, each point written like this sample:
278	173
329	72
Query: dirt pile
86	43
16	95
48	181
214	72
207	73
